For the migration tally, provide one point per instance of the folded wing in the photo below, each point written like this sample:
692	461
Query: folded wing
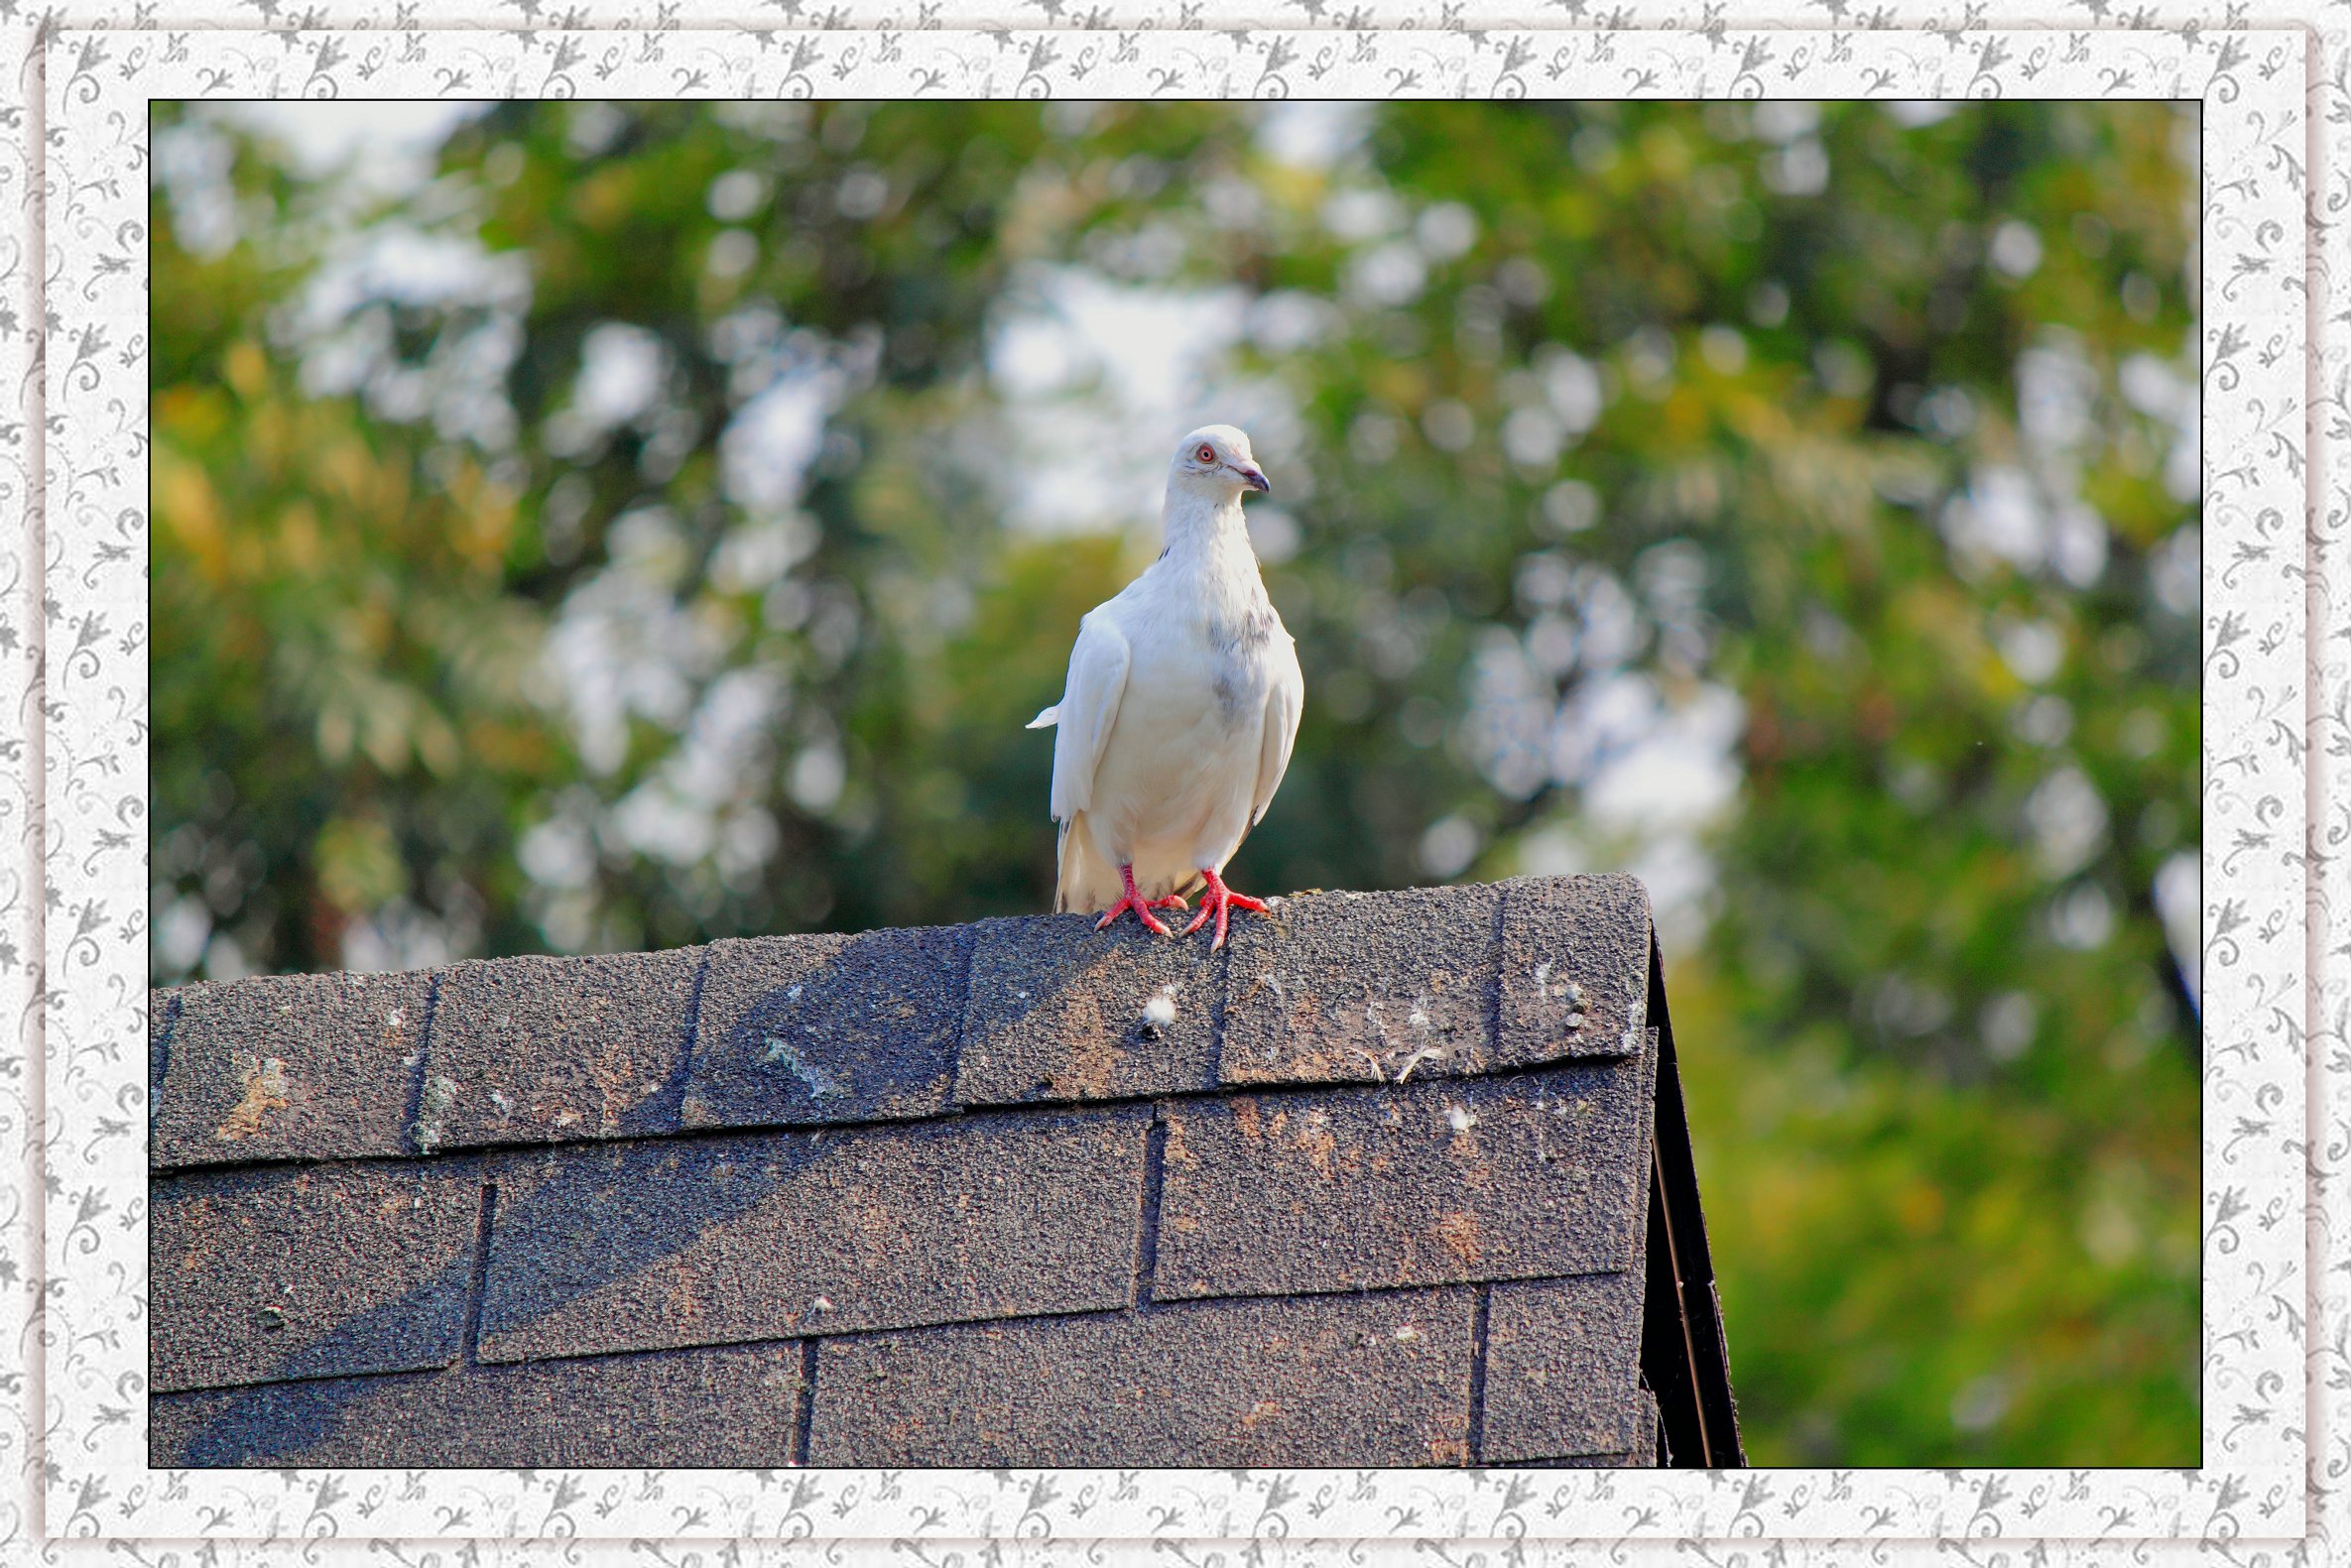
1283	704
1088	709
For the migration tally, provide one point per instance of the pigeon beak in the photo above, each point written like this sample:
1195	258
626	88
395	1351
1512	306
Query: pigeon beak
1256	480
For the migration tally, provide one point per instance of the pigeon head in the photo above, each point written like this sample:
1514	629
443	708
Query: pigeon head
1216	459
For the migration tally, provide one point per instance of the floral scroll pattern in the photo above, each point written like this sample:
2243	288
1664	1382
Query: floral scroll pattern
72	618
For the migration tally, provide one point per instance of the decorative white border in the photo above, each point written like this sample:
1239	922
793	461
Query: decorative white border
89	404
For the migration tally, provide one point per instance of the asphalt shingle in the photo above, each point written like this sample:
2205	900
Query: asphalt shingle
734	1406
163	1006
702	1242
1354	988
285	1067
1495	1178
1642	1423
553	1049
1377	1380
802	1029
1058	1012
1575	971
1562	1368
308	1271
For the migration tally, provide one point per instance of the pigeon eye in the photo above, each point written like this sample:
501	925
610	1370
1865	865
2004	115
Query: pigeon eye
1208	454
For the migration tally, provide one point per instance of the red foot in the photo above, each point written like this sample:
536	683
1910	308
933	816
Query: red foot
1221	900
1140	906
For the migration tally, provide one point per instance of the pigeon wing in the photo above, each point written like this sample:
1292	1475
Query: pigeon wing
1283	704
1088	709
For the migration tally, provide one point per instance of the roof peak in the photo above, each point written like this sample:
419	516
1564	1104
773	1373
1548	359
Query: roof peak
898	1024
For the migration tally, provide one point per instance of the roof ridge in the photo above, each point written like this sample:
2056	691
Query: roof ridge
898	1024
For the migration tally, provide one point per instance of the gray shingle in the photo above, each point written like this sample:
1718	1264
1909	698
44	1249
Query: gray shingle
163	1006
730	1406
1562	1368
1378	1379
706	1241
800	1029
1352	988
1574	967
1642	1455
1057	1012
312	1272
285	1067
1495	1178
553	1049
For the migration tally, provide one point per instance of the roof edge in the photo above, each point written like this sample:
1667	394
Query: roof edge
1685	1356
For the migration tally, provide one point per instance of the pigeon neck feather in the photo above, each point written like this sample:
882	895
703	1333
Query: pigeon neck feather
1197	523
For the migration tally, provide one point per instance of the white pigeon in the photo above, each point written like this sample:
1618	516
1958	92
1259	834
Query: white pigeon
1182	706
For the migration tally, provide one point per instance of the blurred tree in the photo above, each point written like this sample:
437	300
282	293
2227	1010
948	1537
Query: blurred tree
1847	439
612	542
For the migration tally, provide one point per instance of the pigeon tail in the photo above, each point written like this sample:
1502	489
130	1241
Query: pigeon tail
1046	720
1088	881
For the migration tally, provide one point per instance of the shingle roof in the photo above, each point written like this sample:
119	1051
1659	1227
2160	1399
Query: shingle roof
1402	1181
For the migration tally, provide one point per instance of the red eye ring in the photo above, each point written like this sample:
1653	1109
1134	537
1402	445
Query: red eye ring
1208	454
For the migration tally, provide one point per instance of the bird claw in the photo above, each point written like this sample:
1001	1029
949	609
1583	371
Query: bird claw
1142	908
1220	901
1133	900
